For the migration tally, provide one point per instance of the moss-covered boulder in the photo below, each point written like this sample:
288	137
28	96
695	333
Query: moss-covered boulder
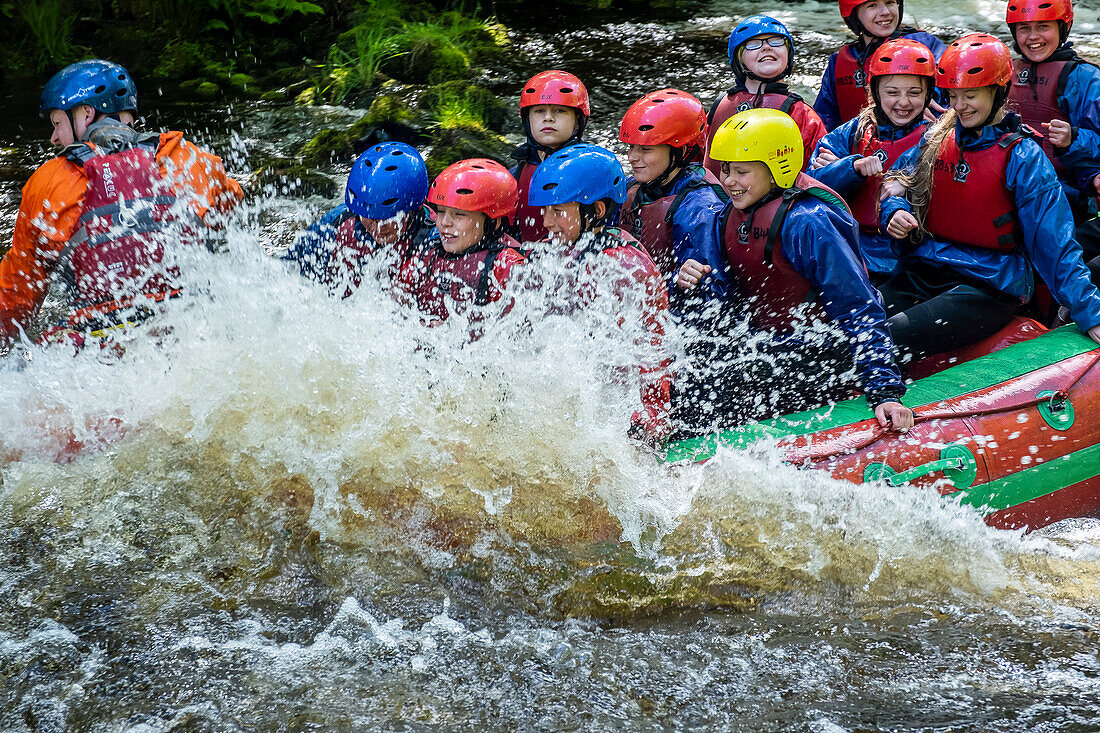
389	118
291	178
466	141
457	98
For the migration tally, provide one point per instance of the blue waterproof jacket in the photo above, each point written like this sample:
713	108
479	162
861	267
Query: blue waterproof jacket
879	250
313	248
1081	103
693	234
826	105
1045	220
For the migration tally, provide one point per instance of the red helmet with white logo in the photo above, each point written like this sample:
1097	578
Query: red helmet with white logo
478	184
975	60
848	12
667	117
555	87
902	56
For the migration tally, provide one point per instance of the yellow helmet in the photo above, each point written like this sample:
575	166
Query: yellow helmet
767	136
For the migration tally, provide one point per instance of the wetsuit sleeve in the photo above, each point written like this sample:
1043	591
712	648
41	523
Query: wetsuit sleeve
821	243
200	175
48	215
907	163
313	247
826	105
1082	100
695	237
812	129
839	175
1048	230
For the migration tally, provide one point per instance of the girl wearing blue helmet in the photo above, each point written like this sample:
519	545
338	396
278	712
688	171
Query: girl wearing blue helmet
761	54
380	225
578	189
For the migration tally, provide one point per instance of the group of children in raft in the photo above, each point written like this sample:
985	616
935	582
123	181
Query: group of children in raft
907	213
917	207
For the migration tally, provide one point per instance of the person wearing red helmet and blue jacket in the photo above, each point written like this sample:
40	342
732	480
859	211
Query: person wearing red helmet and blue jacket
761	54
671	199
555	109
980	206
110	213
851	158
381	224
578	188
810	320
470	263
1058	94
844	84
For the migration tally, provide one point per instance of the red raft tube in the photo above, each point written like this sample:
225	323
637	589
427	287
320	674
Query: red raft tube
1014	434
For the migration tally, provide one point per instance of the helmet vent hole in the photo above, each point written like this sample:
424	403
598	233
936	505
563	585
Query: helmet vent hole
396	152
1044	6
645	128
616	181
478	167
549	186
122	77
566	90
464	191
368	164
100	89
658	101
922	60
529	90
390	168
390	202
975	70
673	94
120	93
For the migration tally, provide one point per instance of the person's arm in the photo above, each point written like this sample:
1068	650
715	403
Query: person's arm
1082	101
1048	231
695	237
826	105
891	205
821	243
201	176
812	129
313	247
840	174
48	215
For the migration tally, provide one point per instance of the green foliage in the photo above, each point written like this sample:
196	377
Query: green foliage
357	67
51	31
458	102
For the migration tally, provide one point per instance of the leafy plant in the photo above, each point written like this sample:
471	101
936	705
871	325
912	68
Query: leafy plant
51	31
372	45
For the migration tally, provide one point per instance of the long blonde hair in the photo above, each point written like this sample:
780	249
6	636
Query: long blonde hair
918	184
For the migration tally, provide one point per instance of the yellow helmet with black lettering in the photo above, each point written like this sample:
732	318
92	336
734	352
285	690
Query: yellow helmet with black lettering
767	136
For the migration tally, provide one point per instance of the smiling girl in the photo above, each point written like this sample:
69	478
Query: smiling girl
851	158
761	54
473	258
844	85
982	206
1058	93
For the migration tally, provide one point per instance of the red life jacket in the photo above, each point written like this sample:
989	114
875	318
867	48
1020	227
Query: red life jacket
130	218
1037	90
528	218
864	201
754	253
651	223
354	249
851	80
436	280
739	99
970	203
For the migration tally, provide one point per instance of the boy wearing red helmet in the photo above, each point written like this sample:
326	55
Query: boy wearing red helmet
1058	93
672	200
982	206
470	263
852	158
844	85
555	109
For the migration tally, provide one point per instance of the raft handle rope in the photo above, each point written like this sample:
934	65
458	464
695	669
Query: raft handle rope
1060	396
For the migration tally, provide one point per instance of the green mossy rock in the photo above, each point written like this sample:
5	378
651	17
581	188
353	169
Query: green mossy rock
325	146
207	90
465	141
474	100
429	60
290	178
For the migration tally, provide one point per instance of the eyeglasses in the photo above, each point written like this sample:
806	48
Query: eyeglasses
774	42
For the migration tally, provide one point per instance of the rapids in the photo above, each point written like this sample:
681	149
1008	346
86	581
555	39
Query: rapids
286	511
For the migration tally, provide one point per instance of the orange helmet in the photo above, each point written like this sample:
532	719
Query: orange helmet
975	60
668	117
1033	11
555	87
478	184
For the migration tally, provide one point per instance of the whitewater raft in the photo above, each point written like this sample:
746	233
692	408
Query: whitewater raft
1014	434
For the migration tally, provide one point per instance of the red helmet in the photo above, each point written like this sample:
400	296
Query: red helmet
902	56
668	117
848	9
975	60
555	87
1032	11
479	184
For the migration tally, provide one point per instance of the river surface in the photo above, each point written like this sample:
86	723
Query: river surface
295	513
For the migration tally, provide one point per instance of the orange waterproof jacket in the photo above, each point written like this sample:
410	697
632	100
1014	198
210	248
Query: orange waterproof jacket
53	200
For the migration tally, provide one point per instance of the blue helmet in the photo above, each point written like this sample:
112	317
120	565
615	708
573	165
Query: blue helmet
758	25
584	172
386	180
104	86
